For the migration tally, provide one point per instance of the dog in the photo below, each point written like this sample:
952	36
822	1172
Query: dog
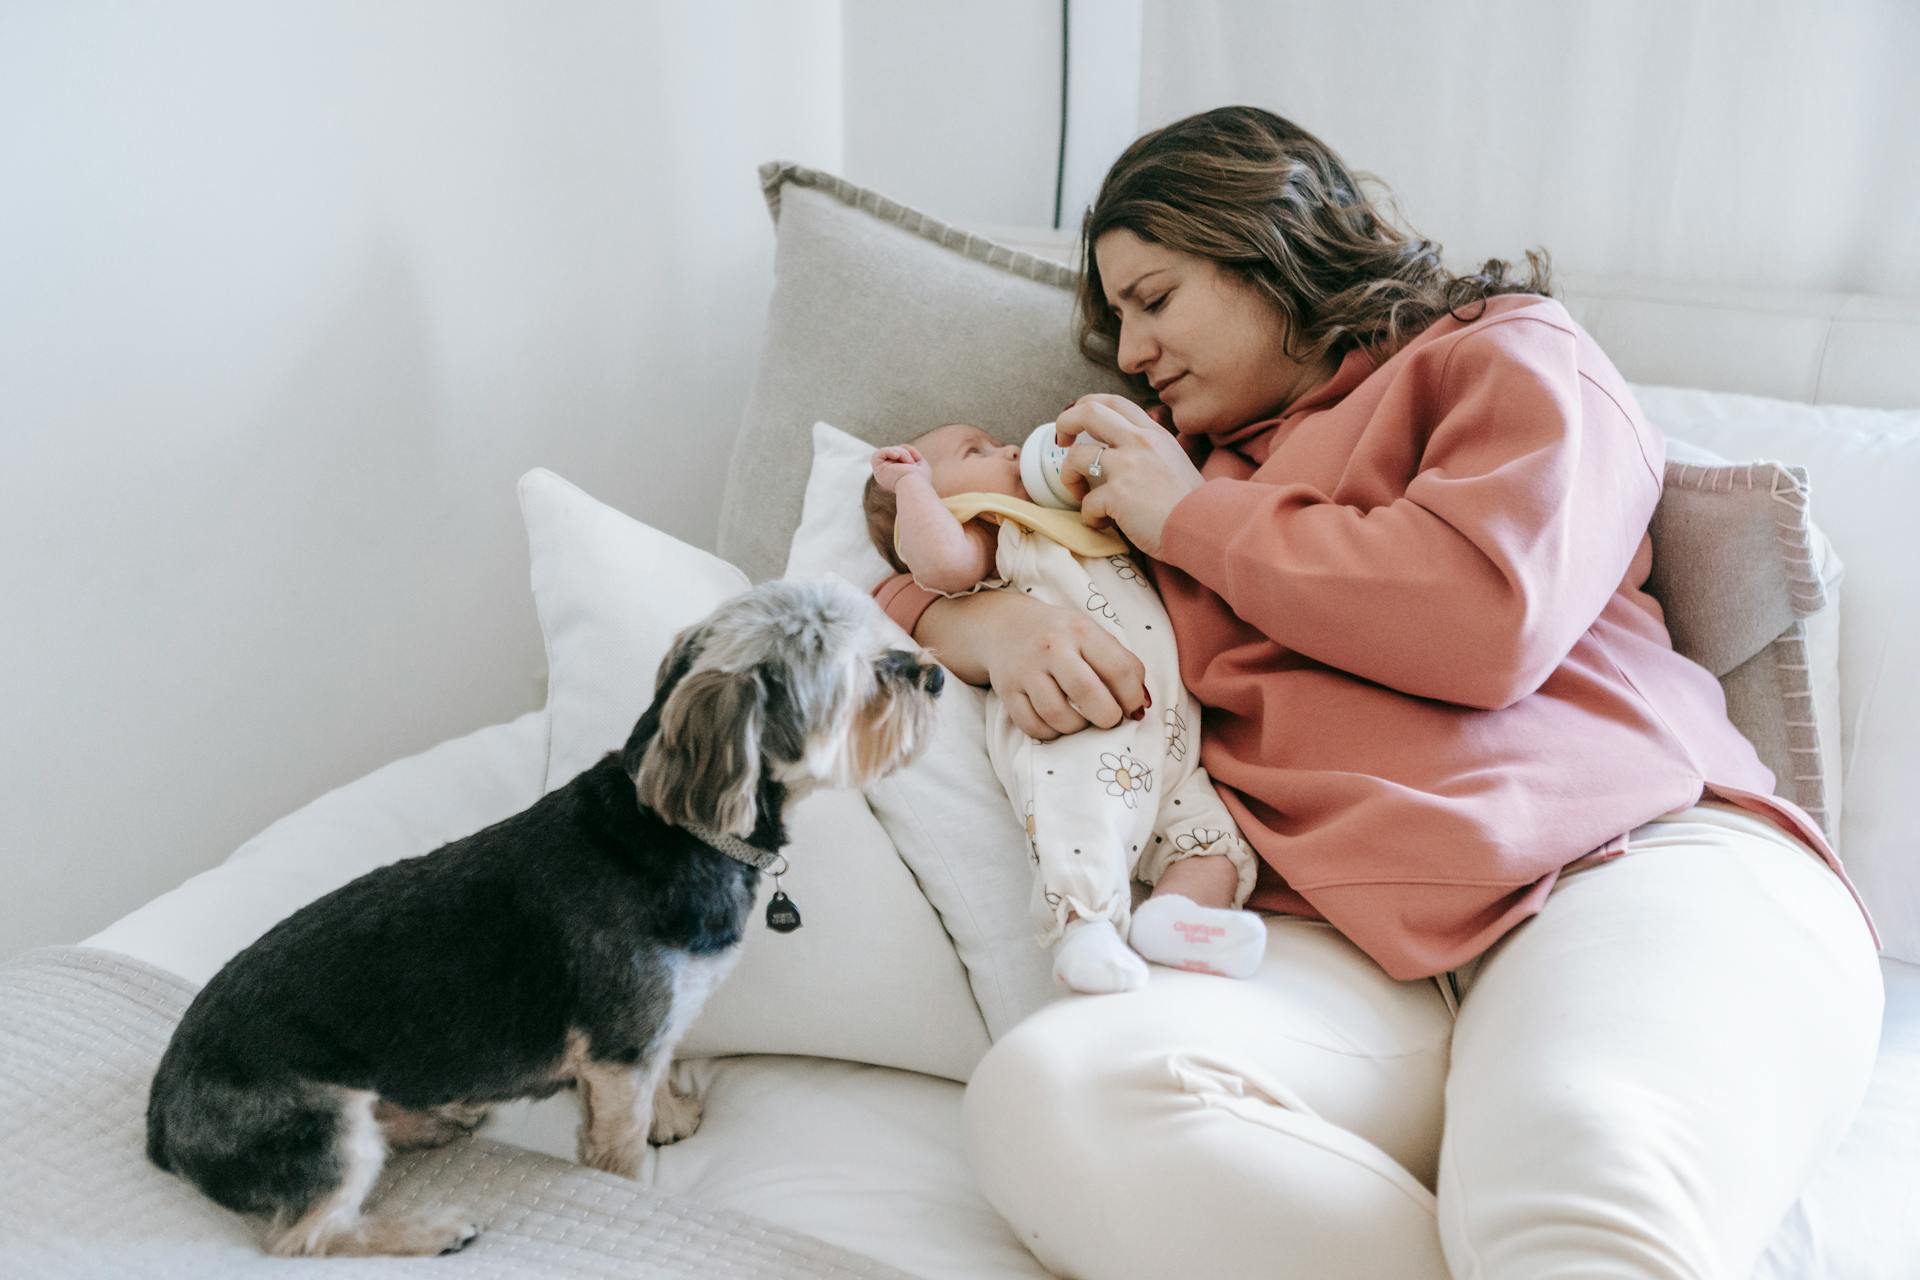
569	945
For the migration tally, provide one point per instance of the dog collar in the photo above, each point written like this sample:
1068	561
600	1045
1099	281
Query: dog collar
782	915
736	848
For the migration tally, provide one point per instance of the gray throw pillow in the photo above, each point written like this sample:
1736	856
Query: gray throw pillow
1741	570
888	323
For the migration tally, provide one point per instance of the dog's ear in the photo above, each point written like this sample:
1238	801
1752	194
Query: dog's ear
673	669
703	765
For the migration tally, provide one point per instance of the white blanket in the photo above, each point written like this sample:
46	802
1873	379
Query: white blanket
80	1033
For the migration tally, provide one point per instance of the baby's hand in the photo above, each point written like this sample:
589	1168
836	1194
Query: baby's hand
894	463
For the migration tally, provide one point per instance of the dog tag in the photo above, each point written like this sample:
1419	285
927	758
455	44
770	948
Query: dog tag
782	915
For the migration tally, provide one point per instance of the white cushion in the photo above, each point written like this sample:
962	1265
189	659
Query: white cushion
953	824
947	812
871	1159
611	593
870	976
403	808
1864	471
832	537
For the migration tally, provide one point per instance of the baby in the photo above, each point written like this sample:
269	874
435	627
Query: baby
1102	807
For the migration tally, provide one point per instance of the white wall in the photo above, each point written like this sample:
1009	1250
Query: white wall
1766	146
954	109
289	296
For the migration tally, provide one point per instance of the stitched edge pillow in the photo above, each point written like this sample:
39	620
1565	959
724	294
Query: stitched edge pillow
947	813
1864	466
612	593
1738	567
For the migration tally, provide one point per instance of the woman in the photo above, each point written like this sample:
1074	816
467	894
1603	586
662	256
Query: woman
1400	524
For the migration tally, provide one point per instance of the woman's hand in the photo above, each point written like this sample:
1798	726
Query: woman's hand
1056	670
1143	470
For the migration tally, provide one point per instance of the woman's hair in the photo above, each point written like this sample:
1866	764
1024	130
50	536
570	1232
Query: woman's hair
1269	201
882	510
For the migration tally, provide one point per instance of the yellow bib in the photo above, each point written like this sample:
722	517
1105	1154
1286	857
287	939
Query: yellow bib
1068	528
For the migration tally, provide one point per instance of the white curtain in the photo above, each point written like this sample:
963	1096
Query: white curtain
289	296
1748	142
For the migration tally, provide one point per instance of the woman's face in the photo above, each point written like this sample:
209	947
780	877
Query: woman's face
1212	346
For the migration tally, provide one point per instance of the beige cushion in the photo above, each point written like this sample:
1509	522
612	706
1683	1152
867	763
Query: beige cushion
1740	567
887	322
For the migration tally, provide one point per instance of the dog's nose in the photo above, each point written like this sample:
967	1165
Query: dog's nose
912	669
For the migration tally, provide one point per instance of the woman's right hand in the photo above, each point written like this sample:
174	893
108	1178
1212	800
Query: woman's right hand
1055	669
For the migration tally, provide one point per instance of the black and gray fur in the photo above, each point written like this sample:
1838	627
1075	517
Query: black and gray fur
569	945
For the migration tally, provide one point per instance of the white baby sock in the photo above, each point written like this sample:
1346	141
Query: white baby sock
1176	931
1091	958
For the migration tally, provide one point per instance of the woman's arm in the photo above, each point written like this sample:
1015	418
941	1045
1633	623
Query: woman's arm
1056	671
1531	501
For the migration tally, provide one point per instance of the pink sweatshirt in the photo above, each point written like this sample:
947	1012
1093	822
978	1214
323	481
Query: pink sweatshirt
1413	608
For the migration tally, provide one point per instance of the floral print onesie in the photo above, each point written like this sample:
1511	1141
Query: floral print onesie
1106	807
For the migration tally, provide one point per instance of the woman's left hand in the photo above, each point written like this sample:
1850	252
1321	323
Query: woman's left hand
1143	470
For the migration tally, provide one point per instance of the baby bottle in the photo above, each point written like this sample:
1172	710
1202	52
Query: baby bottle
1040	462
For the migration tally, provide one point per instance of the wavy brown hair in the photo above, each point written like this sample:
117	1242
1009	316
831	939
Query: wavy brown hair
1269	201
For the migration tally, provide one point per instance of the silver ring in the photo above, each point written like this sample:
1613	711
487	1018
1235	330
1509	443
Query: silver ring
1093	468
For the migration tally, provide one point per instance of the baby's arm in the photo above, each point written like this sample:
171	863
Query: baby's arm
943	554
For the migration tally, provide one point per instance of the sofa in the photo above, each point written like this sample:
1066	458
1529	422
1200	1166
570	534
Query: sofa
834	1061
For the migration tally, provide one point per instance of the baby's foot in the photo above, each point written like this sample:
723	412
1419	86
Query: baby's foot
1091	958
1175	931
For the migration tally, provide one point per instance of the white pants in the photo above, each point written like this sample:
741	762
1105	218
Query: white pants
1638	1083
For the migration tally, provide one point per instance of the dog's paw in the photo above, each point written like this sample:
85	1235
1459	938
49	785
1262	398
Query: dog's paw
675	1116
418	1235
612	1157
460	1235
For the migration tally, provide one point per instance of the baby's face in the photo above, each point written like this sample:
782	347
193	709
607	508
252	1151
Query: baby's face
965	459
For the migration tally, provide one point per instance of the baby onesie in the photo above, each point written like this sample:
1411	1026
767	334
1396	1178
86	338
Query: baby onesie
1102	807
